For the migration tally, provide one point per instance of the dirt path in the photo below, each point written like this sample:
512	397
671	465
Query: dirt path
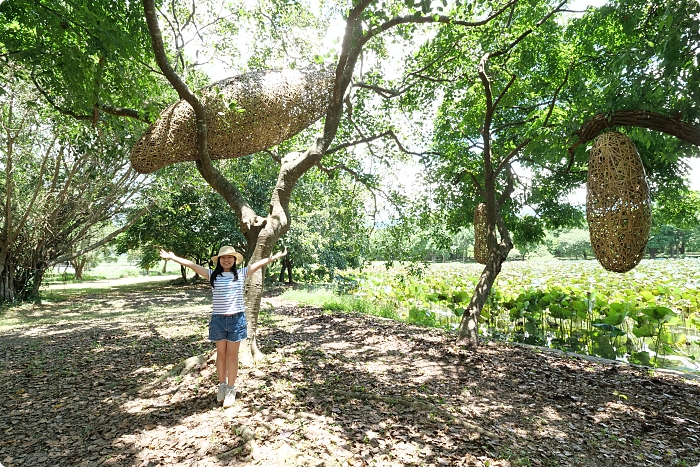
111	282
336	389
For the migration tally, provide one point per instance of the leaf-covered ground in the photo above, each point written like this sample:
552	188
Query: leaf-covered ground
92	378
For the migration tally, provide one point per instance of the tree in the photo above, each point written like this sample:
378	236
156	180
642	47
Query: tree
92	258
192	222
62	184
498	99
87	60
675	218
71	55
186	219
528	233
570	243
515	90
462	241
330	231
363	22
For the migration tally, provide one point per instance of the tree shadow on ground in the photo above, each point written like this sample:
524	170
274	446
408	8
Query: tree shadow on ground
75	389
335	389
401	395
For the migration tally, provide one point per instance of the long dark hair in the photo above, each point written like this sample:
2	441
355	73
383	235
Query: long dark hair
219	269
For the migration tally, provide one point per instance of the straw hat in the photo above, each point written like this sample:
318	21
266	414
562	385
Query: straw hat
228	250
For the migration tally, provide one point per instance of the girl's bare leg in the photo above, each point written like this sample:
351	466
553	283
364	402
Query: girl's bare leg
221	349
231	361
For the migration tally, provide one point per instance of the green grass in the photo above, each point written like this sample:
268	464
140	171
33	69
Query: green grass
115	270
331	301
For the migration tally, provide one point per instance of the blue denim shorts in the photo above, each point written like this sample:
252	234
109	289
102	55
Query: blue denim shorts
232	328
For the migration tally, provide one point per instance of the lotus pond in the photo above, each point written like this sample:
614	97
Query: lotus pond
648	316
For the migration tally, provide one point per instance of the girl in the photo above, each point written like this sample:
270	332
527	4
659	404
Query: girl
228	326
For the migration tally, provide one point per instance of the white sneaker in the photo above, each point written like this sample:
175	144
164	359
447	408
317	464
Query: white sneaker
221	395
230	396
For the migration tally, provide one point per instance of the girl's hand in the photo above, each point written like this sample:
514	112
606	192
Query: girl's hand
166	254
282	253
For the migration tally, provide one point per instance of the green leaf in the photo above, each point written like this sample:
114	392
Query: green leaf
660	314
646	330
461	297
647	296
672	338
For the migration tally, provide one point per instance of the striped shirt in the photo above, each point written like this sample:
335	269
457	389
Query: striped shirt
227	295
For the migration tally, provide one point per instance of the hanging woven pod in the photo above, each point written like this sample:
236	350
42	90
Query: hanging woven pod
618	207
481	248
244	114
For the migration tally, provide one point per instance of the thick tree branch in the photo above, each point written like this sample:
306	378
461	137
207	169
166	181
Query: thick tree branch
246	215
509	189
635	118
383	92
39	183
508	159
504	91
556	96
124	112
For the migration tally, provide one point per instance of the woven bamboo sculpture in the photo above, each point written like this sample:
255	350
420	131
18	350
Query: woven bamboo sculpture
244	114
618	207
481	248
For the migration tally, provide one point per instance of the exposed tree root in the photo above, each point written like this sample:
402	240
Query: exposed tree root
181	369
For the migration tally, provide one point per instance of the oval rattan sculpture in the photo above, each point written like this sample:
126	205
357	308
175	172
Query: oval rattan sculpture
618	207
481	248
244	114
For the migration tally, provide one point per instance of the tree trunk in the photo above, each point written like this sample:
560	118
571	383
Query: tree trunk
468	335
78	266
165	265
37	279
183	273
290	266
26	280
253	287
7	283
286	265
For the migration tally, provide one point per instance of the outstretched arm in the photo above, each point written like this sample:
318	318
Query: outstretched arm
265	261
201	270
